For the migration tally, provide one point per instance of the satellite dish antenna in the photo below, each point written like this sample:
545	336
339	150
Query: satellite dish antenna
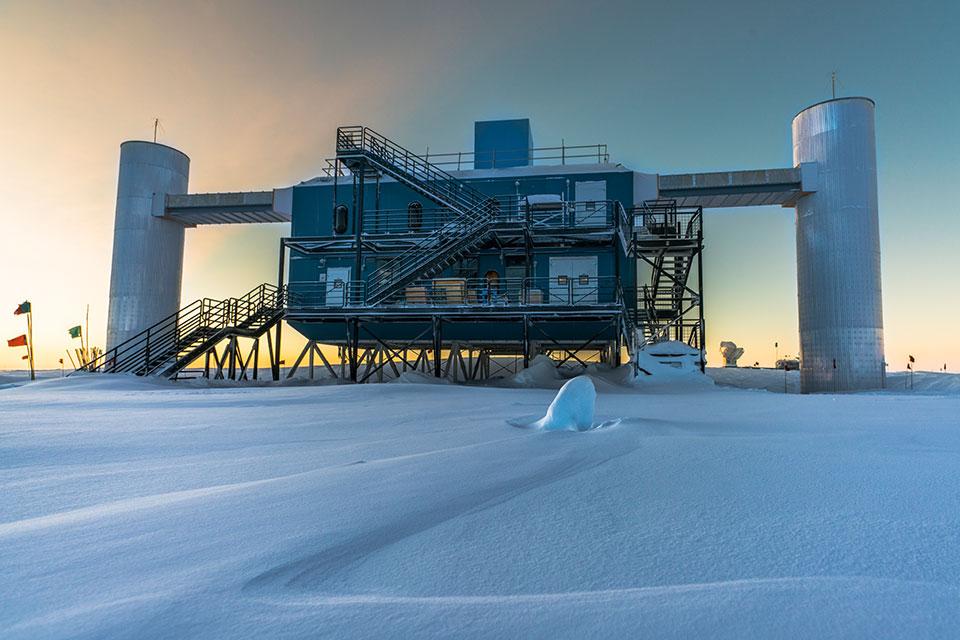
731	353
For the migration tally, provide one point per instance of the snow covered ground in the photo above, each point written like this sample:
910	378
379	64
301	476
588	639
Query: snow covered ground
9	379
922	382
142	509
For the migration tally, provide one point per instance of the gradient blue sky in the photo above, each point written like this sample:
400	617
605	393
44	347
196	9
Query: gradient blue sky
254	91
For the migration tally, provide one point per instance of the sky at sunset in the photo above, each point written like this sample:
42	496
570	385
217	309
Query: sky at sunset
253	93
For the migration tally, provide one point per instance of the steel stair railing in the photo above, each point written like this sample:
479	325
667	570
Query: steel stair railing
475	211
672	235
172	343
365	144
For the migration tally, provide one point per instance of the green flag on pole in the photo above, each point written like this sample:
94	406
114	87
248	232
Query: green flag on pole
23	307
75	332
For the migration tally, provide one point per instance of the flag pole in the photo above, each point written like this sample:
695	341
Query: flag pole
86	338
33	375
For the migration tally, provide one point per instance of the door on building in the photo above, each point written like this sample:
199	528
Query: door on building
591	208
573	280
338	280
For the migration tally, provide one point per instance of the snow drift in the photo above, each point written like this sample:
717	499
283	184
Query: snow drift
572	409
542	372
140	510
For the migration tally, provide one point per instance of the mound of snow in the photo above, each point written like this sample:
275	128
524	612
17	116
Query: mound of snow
542	372
419	377
672	353
572	409
775	380
672	364
671	359
923	382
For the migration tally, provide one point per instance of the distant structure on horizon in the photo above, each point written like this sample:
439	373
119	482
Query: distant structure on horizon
731	353
506	251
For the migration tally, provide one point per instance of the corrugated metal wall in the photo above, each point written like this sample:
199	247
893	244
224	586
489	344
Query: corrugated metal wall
147	250
838	249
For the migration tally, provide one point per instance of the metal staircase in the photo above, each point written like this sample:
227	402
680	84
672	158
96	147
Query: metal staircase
662	301
360	148
668	239
170	345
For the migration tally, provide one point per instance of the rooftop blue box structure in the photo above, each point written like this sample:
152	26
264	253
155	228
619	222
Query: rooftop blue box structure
502	143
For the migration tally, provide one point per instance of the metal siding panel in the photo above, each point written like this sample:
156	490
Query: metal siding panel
147	261
838	249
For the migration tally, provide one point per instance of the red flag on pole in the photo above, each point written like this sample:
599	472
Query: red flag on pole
19	341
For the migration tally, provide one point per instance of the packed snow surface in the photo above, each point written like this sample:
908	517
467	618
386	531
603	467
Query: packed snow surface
138	509
779	381
542	372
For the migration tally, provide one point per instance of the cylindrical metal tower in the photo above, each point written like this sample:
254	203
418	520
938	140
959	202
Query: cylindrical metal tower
838	249
147	249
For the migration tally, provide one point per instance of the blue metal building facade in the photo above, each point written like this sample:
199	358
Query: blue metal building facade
312	274
553	248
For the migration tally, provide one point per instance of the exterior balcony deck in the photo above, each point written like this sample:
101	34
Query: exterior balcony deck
562	297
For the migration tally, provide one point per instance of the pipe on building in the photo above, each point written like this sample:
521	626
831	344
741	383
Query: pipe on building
838	249
147	249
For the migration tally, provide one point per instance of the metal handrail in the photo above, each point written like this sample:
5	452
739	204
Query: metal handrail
151	348
394	221
595	152
467	160
444	243
141	342
369	142
312	294
474	207
465	292
665	219
508	209
438	245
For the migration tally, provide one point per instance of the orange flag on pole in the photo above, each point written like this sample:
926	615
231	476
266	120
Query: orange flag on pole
19	341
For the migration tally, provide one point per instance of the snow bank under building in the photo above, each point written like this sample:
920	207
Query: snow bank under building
665	366
542	373
418	377
668	364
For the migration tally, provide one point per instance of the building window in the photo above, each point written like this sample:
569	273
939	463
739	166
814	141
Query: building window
340	218
415	215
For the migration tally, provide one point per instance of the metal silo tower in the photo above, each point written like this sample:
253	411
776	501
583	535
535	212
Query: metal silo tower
838	248
147	249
